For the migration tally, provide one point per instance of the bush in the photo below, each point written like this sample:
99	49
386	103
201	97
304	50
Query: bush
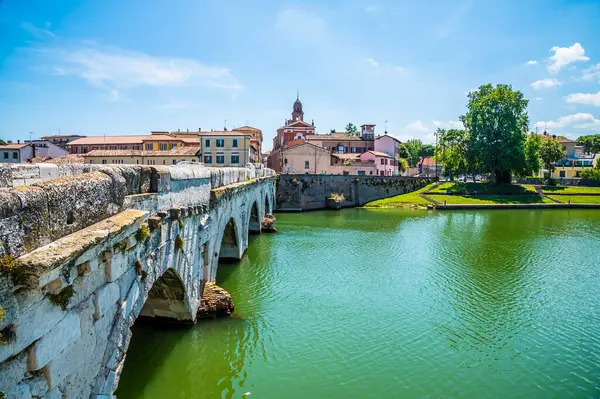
337	197
179	243
7	263
142	234
181	224
590	174
63	297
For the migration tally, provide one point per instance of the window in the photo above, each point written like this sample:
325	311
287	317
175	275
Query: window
346	173
104	162
370	172
220	143
172	145
561	173
207	158
174	162
353	150
149	147
15	155
91	161
382	161
341	149
220	157
361	172
234	143
207	143
163	146
235	158
381	173
306	164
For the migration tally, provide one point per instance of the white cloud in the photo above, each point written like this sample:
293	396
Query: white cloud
40	33
591	73
113	69
532	62
564	56
545	83
418	126
372	62
538	98
579	121
449	124
584	98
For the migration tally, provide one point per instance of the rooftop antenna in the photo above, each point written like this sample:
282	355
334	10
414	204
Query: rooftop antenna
297	94
385	130
225	125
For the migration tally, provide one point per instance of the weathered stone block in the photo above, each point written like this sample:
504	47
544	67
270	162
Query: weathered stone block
5	176
48	171
48	347
117	266
124	282
19	392
12	372
106	298
54	394
35	218
38	386
86	285
130	304
24	171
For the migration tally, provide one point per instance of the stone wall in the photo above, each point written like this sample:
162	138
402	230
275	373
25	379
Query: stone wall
306	192
73	293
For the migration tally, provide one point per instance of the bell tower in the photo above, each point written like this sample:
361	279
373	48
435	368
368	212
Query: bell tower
297	113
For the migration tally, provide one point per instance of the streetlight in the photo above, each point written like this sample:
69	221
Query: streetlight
435	153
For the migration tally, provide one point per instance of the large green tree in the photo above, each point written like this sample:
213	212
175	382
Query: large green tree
497	121
427	150
533	163
591	143
352	130
414	147
2	142
404	153
550	152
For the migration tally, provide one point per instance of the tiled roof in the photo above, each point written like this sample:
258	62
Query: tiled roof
156	137
333	137
108	140
176	152
380	154
390	136
427	161
346	156
12	146
247	128
40	159
294	143
67	159
64	136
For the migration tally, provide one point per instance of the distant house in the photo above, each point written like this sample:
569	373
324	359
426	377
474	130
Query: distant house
427	167
140	157
45	148
574	161
15	153
61	140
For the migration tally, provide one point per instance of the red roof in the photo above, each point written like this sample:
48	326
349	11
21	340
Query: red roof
12	146
427	161
380	154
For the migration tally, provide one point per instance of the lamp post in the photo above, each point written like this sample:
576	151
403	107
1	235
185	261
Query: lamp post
435	154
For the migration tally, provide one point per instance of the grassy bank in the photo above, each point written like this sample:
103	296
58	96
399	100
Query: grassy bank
482	188
570	190
578	199
403	200
490	199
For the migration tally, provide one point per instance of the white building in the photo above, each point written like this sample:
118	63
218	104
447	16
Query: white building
15	153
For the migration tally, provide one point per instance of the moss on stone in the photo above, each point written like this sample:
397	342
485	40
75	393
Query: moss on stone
7	263
63	297
142	234
181	223
120	246
179	243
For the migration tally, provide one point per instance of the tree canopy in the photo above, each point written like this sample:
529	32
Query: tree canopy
404	153
551	151
2	142
352	130
427	150
414	147
533	163
591	143
497	121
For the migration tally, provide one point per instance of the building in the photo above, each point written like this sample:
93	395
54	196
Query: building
143	157
86	144
341	143
45	148
574	161
16	153
389	145
428	167
294	128
62	140
256	139
226	148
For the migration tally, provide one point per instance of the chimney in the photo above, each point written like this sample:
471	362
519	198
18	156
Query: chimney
18	141
199	130
9	142
177	130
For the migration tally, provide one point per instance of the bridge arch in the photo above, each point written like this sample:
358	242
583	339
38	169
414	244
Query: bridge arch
255	218
230	247
268	204
167	299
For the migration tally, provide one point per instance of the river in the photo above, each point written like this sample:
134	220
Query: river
394	304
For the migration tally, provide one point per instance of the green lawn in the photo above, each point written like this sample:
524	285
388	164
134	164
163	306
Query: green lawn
570	190
483	188
579	199
402	200
490	199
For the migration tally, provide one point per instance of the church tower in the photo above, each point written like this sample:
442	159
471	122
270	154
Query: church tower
297	114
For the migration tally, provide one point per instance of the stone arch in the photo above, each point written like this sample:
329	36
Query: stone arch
230	248
167	299
254	219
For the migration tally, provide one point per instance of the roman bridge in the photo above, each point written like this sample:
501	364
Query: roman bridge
84	255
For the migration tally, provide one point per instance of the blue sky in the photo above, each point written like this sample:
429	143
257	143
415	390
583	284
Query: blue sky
128	67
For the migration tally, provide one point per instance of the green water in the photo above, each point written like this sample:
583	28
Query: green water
394	304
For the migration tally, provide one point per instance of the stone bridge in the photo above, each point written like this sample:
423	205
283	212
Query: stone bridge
81	257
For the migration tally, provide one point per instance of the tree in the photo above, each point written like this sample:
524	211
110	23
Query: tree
414	147
404	153
550	152
427	150
402	165
533	144
590	143
2	142
352	130
452	151
497	121
591	173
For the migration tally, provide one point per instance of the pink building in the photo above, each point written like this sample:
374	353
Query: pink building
385	164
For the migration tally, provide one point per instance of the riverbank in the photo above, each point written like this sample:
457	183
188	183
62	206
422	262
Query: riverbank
454	195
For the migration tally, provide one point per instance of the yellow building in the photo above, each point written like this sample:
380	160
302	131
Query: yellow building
142	157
